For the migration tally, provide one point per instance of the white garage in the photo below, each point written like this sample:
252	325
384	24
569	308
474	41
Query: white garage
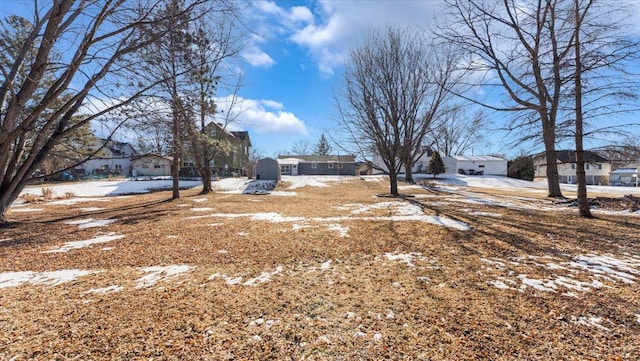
475	165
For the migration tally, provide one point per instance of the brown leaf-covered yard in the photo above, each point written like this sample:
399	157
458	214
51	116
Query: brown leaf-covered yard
320	273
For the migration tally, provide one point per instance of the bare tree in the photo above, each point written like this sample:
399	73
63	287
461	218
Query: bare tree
456	132
518	45
394	87
301	147
95	38
530	51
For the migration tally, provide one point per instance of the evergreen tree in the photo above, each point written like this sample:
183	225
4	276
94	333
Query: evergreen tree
323	147
436	165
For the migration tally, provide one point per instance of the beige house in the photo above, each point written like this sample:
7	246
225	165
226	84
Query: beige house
597	168
151	165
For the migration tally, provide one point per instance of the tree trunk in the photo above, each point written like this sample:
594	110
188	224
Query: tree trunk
553	183
407	171
583	200
393	183
175	168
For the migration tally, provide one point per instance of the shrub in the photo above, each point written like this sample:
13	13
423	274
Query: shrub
30	198
47	193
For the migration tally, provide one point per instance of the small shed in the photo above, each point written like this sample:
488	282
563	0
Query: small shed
267	169
475	165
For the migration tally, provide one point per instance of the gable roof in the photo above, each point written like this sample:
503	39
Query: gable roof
320	158
569	156
116	148
242	135
480	158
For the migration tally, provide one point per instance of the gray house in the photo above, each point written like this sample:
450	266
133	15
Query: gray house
317	164
267	169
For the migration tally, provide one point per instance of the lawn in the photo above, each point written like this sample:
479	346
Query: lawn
321	268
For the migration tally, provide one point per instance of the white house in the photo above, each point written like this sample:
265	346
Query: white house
475	164
597	168
628	175
151	165
115	158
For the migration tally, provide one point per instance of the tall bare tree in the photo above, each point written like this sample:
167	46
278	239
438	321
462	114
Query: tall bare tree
394	87
530	51
517	47
95	38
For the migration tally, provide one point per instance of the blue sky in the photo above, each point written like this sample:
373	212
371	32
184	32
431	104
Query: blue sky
294	62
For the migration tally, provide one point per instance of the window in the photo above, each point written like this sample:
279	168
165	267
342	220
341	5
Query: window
573	166
481	166
587	165
156	166
330	165
285	169
599	166
314	165
118	167
339	165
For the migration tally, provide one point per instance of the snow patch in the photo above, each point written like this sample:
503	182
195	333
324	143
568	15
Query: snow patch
91	223
86	243
590	322
92	209
264	277
232	281
404	257
160	273
103	290
26	210
343	231
50	278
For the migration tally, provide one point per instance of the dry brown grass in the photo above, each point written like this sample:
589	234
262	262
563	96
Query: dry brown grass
361	305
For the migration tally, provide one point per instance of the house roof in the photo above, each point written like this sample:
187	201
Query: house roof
569	156
482	158
627	169
116	148
242	135
317	158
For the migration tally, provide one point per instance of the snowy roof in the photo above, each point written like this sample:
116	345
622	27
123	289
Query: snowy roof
630	169
318	158
482	158
569	156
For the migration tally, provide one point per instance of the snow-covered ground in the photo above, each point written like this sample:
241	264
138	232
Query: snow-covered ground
107	188
244	185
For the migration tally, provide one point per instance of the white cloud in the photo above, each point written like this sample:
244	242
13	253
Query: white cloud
301	13
263	116
272	104
256	57
330	28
